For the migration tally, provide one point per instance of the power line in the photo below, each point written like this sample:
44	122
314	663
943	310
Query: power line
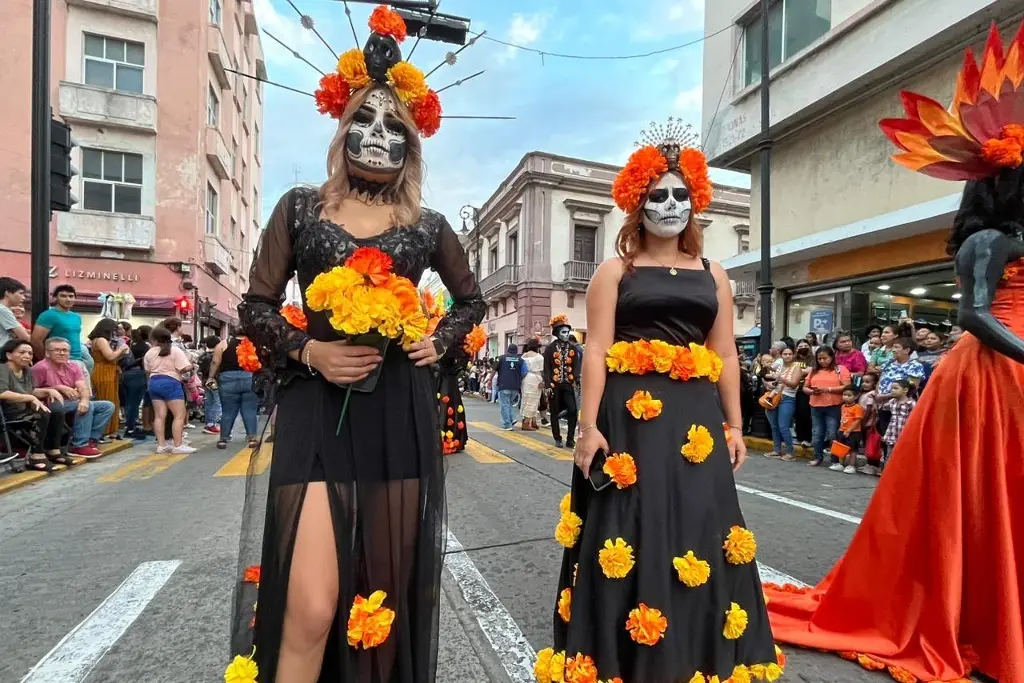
725	86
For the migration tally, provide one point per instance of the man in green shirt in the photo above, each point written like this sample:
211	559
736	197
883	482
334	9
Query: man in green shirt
60	321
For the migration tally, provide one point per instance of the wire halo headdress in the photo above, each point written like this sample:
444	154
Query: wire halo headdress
664	148
982	132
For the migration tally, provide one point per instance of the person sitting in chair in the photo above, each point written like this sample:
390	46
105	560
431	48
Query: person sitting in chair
26	409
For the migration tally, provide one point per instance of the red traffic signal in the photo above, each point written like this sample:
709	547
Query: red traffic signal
183	304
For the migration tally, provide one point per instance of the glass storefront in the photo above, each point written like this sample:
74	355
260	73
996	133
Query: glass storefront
929	299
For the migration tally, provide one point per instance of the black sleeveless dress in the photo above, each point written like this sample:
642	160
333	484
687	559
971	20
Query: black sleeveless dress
659	583
383	468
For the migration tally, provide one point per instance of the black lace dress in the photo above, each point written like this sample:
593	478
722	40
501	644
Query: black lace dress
658	579
449	396
385	485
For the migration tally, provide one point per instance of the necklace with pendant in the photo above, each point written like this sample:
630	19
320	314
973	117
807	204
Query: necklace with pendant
671	269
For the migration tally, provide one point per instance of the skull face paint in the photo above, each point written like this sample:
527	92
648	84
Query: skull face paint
376	141
563	333
667	210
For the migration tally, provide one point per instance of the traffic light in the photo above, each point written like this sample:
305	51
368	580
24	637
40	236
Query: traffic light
183	307
61	170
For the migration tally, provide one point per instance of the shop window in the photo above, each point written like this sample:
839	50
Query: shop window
114	63
112	181
821	313
792	26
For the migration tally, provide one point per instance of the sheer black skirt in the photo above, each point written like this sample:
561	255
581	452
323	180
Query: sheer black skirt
385	484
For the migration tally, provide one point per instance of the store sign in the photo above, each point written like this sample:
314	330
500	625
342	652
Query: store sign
102	275
821	322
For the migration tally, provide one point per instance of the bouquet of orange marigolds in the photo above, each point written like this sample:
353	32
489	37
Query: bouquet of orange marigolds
370	305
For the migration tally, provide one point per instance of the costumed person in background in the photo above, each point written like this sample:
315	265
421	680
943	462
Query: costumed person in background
659	581
946	523
561	369
533	384
352	542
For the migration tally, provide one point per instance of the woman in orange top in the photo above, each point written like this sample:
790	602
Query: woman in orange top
825	387
946	523
106	372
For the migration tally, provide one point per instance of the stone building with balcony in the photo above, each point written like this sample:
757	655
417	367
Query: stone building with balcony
538	238
856	240
168	150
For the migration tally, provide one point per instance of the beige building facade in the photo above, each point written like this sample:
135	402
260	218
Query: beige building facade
538	239
168	150
855	239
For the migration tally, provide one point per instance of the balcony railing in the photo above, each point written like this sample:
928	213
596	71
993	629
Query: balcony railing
109	230
139	9
101	106
217	255
744	291
503	279
578	272
220	56
217	153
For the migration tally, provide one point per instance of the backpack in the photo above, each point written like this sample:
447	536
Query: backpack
204	362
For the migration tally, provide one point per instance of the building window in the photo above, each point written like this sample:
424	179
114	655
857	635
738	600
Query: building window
792	26
493	259
584	244
212	107
234	157
114	63
215	12
257	211
211	210
513	250
245	106
509	337
256	141
235	238
112	181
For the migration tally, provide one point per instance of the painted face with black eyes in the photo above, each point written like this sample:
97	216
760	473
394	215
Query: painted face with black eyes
667	210
376	141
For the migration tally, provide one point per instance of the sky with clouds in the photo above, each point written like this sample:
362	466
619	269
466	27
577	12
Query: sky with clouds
579	108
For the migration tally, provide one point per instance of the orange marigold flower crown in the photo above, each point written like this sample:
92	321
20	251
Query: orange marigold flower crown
560	320
982	132
380	61
667	148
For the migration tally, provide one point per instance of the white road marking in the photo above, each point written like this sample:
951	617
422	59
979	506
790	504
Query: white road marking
800	504
498	626
74	657
770	575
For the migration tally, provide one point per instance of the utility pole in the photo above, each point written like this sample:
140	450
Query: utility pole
197	305
765	148
40	227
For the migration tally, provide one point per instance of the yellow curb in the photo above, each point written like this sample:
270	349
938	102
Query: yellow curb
12	482
756	443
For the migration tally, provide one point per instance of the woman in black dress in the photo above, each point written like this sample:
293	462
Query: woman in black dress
348	586
658	581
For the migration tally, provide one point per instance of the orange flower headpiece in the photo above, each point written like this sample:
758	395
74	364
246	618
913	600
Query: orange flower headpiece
560	320
982	133
667	148
380	61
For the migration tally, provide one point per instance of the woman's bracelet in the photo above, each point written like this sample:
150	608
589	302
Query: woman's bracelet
586	428
735	427
305	355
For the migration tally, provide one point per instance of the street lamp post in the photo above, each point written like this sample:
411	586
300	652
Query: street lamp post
472	214
765	148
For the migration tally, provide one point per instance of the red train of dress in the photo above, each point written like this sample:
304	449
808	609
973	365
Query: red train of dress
932	585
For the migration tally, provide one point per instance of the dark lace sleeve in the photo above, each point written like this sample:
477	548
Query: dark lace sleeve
450	262
271	270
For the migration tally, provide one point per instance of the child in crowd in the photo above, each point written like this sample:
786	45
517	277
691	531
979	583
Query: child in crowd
901	405
851	425
869	423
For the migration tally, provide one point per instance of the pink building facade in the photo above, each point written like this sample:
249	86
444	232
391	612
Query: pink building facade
169	158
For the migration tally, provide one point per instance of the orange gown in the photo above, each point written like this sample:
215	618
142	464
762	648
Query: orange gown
932	585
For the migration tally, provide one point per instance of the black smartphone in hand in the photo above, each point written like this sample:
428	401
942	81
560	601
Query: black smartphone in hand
599	479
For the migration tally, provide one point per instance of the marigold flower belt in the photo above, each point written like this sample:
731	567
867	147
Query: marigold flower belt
678	362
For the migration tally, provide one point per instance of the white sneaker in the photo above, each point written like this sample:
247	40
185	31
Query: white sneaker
163	449
182	450
836	467
850	469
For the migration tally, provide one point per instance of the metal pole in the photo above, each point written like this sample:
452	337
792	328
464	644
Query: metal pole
40	227
195	317
765	148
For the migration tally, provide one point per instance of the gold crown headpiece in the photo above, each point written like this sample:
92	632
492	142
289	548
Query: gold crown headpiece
982	133
662	148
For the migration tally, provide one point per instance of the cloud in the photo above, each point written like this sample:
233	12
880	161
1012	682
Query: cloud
290	32
689	100
665	67
666	18
525	30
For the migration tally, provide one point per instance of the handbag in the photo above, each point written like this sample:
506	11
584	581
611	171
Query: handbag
770	400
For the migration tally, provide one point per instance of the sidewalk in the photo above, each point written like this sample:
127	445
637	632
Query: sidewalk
10	481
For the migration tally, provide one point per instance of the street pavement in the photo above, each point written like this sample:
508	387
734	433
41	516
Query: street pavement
122	569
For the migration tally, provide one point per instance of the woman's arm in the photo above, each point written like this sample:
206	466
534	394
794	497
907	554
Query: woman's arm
980	263
275	339
602	295
722	342
103	346
450	262
218	358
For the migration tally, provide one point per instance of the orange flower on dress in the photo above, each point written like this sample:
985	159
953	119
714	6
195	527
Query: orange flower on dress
568	530
735	622
332	95
295	316
475	341
643	406
373	264
870	663
646	625
901	675
740	545
640	358
740	674
616	558
369	622
682	366
780	657
252	574
699	444
1004	153
622	469
248	359
663	355
580	669
388	22
565	604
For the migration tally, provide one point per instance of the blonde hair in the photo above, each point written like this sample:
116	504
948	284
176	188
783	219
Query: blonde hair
630	239
404	192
